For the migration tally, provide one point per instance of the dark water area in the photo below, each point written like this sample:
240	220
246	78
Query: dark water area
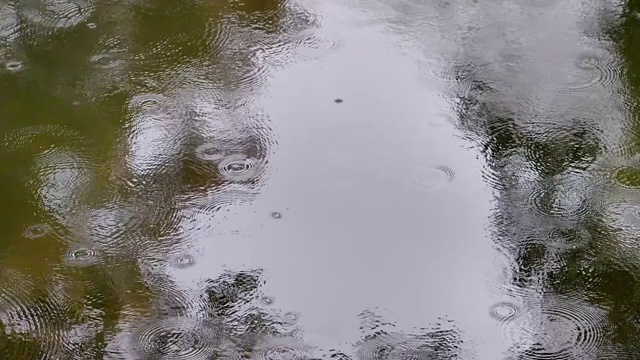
306	179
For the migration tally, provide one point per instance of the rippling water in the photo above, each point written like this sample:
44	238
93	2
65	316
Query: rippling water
304	179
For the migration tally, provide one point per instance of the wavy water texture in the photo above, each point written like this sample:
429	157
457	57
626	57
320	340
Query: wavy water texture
165	167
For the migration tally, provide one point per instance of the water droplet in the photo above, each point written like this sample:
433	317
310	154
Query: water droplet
14	66
291	316
504	311
267	300
338	101
81	256
36	231
429	178
276	215
238	168
178	338
182	261
210	152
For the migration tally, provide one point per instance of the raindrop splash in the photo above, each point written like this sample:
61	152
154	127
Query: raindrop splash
238	168
36	231
567	238
281	348
57	134
291	316
267	300
562	330
443	69
106	61
504	311
182	261
209	152
14	66
430	178
570	203
147	103
178	338
81	257
375	350
590	70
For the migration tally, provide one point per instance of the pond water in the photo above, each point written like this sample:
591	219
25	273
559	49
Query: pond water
306	179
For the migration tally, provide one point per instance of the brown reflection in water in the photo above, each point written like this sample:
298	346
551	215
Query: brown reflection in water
228	319
103	171
569	288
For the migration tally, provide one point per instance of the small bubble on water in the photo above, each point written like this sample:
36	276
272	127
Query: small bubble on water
36	231
14	66
503	311
183	261
276	215
291	316
91	25
267	300
81	256
338	101
587	62
238	168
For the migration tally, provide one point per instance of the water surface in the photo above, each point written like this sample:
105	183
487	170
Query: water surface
299	179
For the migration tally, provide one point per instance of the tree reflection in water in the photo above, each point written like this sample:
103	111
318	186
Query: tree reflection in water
569	287
233	319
